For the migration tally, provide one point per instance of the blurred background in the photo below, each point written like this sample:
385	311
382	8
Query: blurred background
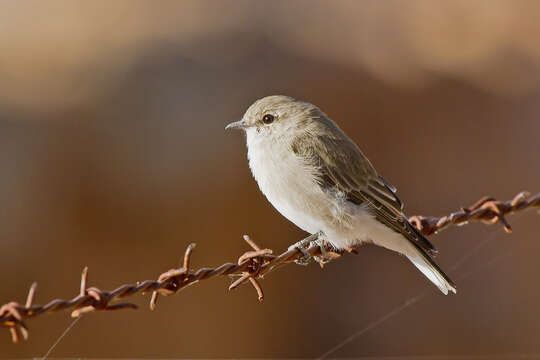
113	154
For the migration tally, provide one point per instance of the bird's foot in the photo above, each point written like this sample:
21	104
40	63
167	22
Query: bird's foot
325	256
304	245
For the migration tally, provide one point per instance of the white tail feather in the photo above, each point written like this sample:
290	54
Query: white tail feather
382	235
431	272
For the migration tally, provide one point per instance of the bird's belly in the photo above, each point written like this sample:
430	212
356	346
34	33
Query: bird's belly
292	190
297	214
343	224
297	201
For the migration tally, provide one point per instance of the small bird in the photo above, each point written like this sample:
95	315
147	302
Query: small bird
318	178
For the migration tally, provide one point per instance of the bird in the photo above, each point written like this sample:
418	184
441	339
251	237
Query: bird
319	179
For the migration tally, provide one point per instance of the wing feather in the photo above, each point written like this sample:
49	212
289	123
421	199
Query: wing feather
351	173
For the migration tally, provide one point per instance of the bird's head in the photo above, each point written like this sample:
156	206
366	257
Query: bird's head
277	117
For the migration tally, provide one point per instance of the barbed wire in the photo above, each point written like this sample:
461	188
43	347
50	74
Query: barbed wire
251	266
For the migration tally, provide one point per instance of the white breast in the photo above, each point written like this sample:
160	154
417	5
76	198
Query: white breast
289	185
291	188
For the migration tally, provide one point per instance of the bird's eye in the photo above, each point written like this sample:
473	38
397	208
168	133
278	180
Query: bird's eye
268	119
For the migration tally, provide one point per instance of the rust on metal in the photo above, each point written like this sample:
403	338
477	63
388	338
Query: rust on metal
251	266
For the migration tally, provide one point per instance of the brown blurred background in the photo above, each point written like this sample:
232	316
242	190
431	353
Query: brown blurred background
113	155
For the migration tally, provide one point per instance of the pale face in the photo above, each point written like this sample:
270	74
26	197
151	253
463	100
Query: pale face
274	117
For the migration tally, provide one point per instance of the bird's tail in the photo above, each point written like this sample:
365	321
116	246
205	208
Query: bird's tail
429	268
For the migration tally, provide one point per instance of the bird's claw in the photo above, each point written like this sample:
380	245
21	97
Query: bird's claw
302	247
325	256
305	244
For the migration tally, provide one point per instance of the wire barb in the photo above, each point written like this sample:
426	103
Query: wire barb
174	279
486	210
251	266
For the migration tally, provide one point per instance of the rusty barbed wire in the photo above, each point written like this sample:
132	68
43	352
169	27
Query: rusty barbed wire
487	210
250	266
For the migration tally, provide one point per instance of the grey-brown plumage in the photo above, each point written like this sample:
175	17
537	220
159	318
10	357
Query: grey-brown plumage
360	182
318	178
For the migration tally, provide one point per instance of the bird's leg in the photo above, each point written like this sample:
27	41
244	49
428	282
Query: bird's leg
325	257
303	245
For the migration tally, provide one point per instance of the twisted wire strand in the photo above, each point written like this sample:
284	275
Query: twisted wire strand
250	266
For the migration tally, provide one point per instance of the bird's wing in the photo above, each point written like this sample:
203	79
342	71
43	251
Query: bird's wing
344	168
